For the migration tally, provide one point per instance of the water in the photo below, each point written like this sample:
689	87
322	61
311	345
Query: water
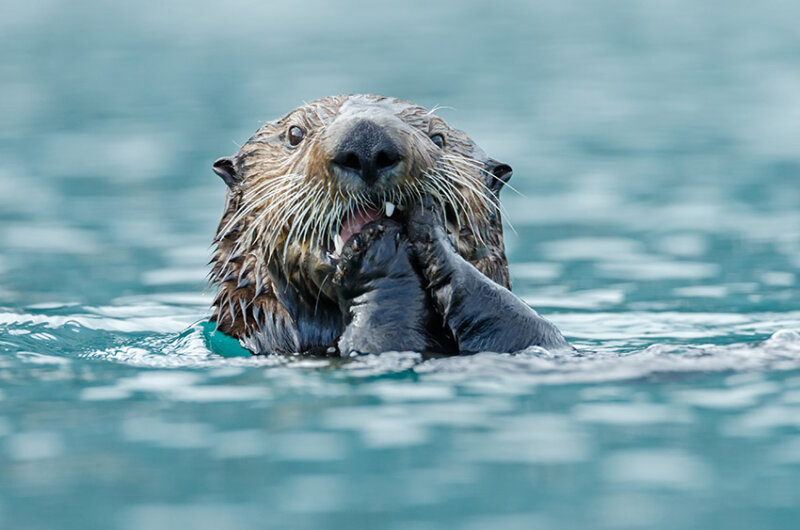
655	147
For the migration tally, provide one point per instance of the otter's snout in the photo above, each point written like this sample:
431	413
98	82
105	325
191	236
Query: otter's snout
366	151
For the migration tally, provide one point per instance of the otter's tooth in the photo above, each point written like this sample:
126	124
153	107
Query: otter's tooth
338	243
389	208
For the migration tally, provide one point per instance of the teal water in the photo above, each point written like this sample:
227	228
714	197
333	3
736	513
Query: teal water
655	148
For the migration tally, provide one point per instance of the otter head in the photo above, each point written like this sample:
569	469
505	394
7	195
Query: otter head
303	184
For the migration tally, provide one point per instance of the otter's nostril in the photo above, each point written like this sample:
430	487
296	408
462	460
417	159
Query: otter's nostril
385	160
351	161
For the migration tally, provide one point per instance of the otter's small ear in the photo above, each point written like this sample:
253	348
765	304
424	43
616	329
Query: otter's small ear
225	168
500	174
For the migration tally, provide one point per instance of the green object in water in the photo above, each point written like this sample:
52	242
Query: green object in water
222	344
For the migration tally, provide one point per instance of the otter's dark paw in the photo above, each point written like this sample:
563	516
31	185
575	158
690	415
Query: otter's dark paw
481	315
383	302
425	222
378	251
434	252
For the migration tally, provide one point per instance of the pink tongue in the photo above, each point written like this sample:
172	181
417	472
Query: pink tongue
354	223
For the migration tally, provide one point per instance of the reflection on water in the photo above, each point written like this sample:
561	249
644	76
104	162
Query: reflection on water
657	222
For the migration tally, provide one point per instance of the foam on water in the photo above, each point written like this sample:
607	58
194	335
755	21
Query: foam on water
156	336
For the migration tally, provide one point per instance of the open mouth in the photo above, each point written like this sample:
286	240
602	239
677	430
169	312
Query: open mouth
355	222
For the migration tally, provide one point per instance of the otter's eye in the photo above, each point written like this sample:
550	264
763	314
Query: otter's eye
438	139
296	135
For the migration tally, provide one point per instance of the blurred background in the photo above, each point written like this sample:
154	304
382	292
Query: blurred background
655	149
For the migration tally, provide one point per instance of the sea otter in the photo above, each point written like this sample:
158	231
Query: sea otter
364	224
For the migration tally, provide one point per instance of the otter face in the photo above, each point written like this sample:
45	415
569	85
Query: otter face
306	183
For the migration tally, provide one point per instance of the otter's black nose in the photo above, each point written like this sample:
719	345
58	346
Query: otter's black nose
367	151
